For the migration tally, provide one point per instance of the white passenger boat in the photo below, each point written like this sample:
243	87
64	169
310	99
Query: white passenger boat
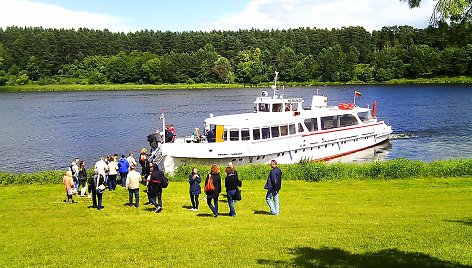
281	129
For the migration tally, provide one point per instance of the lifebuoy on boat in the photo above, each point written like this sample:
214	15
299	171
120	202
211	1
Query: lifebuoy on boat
346	106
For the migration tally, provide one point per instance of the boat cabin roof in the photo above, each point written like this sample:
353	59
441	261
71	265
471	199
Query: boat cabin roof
271	118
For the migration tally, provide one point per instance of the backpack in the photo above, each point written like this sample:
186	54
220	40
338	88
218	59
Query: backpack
71	169
164	182
150	138
209	187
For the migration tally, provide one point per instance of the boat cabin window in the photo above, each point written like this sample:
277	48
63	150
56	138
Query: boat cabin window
245	134
256	133
225	135
348	120
283	130
328	122
264	107
274	131
277	107
365	116
300	127
311	124
291	129
265	133
234	134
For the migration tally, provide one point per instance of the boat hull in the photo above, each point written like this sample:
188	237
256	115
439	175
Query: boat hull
316	146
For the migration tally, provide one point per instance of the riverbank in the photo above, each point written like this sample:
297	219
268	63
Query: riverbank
118	87
401	223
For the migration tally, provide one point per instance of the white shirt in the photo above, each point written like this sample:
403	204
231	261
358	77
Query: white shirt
101	166
131	161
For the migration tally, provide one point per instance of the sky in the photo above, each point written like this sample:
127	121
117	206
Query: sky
206	15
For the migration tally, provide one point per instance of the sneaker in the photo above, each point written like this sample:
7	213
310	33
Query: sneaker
158	209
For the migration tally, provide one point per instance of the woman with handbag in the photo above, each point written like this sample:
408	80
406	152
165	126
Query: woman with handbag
213	188
231	184
97	185
69	186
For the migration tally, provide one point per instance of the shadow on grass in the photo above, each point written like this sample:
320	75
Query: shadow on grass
466	221
261	212
204	215
335	257
153	209
187	206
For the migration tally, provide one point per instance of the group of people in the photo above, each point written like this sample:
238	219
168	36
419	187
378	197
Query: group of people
107	168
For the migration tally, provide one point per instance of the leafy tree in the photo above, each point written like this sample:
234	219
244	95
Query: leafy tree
445	9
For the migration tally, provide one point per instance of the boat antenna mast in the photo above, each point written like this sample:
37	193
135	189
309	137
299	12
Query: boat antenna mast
274	87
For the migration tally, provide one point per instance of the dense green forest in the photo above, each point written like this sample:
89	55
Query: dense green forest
350	54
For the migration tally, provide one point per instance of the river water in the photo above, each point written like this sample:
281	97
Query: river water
46	130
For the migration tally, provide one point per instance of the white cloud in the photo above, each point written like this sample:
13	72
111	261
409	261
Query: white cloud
29	13
284	14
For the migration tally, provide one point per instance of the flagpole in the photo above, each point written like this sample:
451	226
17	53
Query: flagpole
354	98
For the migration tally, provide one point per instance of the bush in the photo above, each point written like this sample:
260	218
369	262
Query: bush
400	168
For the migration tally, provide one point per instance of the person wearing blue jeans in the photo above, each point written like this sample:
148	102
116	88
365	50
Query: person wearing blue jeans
212	195
273	186
123	168
231	183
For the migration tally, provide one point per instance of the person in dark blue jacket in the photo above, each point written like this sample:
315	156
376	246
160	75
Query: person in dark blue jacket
195	190
123	168
273	186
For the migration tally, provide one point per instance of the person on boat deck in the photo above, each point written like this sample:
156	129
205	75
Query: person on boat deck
154	140
196	135
169	135
210	135
173	131
273	185
195	190
214	194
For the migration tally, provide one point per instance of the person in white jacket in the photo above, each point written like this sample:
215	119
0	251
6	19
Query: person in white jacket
132	185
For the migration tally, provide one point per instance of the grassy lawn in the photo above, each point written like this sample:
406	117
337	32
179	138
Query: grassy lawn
351	223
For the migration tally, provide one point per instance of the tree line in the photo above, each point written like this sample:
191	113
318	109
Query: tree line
85	56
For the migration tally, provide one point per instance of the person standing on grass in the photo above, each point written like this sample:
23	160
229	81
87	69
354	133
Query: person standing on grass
131	159
132	185
273	185
195	190
144	162
212	195
82	178
123	168
96	185
68	185
101	166
74	168
231	184
112	173
157	176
